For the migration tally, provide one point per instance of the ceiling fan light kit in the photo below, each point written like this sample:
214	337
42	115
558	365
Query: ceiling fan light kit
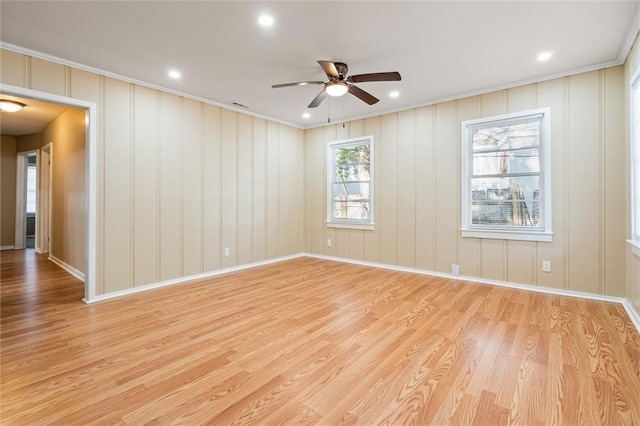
339	84
336	88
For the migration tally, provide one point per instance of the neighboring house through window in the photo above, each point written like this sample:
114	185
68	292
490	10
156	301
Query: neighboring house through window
506	177
350	183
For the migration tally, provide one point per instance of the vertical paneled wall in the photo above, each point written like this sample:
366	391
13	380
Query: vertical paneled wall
633	260
179	180
417	188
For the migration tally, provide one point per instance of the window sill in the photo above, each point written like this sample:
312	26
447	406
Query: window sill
545	237
635	247
346	225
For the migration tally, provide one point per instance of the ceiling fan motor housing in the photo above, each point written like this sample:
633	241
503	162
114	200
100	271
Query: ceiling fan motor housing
342	68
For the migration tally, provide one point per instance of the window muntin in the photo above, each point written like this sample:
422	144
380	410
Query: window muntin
505	177
349	186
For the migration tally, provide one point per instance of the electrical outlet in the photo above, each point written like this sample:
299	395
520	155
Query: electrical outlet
226	252
329	242
546	266
455	270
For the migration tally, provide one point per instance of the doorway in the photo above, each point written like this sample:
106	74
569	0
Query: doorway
44	198
26	199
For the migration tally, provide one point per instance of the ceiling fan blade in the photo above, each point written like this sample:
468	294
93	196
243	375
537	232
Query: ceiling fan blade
329	69
362	95
376	76
299	83
318	99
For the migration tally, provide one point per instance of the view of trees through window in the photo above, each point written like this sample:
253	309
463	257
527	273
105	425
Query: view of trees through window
505	184
351	182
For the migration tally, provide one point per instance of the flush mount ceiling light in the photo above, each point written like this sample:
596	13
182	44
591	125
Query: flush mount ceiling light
10	106
306	115
394	94
174	74
336	88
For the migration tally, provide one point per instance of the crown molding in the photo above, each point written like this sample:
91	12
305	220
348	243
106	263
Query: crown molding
57	60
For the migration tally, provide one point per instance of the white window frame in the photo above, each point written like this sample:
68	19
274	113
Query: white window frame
468	230
349	223
634	148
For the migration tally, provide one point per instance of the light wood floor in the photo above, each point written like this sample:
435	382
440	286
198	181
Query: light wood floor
310	342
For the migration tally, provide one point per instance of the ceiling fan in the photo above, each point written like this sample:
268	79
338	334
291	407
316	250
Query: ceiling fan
339	83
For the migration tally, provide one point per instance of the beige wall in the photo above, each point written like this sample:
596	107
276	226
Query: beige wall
633	261
179	180
67	136
29	142
8	187
417	181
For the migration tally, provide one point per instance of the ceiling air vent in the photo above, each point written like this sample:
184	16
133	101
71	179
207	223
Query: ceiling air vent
239	105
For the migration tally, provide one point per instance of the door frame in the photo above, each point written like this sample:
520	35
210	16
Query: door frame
43	219
91	176
19	239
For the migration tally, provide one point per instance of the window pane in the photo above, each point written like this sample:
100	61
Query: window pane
31	189
506	202
502	162
349	209
352	163
511	136
351	190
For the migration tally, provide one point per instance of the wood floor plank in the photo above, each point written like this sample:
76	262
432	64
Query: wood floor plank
311	342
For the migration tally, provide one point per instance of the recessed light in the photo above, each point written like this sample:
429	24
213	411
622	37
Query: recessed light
544	56
394	94
174	74
306	115
266	20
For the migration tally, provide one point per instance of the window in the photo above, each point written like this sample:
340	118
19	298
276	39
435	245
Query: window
350	183
635	163
31	188
506	177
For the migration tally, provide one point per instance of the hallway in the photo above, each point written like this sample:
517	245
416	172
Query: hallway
31	286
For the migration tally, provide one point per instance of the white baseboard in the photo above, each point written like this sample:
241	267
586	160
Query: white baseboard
187	279
6	248
633	315
70	269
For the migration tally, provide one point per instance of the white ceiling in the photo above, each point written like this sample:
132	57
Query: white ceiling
442	49
33	118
